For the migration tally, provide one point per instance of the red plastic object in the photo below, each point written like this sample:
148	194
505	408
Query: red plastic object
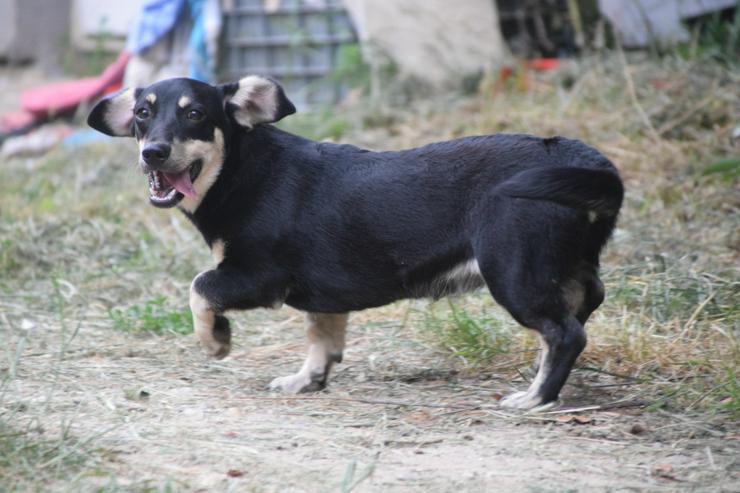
15	121
543	64
51	100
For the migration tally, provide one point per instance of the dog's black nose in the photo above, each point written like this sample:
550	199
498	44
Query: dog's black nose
156	153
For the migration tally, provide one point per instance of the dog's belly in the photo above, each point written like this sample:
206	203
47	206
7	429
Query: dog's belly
462	278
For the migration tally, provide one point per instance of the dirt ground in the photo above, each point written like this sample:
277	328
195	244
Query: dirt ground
149	412
395	410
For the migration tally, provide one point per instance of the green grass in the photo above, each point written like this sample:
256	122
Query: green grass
476	340
29	460
664	291
729	394
727	169
153	317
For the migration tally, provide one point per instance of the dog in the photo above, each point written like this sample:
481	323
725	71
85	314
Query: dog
329	229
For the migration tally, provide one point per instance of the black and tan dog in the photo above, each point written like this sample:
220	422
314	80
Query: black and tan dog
329	229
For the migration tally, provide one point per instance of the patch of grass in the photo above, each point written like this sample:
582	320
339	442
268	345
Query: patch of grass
8	256
352	478
664	292
716	35
727	169
730	394
317	125
153	317
476	340
27	458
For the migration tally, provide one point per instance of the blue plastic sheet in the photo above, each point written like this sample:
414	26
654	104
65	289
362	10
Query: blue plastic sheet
159	17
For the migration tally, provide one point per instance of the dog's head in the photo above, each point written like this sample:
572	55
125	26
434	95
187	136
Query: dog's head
180	126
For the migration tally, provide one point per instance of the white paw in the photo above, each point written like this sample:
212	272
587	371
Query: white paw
292	384
526	401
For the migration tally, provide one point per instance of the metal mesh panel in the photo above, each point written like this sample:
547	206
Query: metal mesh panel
294	41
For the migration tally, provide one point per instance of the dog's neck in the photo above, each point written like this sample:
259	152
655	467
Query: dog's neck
251	158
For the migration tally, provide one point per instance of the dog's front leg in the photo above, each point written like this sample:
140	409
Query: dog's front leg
326	334
213	292
212	329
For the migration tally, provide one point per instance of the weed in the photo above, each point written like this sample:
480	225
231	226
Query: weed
153	317
351	68
715	36
727	169
475	340
661	290
8	256
731	403
350	482
27	458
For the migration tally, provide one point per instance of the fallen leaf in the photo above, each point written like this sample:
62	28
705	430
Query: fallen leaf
234	473
663	471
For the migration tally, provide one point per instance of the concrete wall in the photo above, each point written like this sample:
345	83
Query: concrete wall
641	22
34	30
7	25
438	42
93	18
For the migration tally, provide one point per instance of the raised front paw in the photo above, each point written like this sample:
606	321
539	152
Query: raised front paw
215	336
217	350
299	383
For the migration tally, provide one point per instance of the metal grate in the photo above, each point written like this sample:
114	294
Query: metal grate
294	41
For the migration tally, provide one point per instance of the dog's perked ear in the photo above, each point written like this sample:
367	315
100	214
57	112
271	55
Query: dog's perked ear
114	115
256	99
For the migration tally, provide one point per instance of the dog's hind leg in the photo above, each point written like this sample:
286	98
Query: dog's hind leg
561	342
531	258
326	334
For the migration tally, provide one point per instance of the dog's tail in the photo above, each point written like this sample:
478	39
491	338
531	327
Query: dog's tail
597	190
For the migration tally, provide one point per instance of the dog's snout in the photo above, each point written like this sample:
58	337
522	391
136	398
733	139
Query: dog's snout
155	154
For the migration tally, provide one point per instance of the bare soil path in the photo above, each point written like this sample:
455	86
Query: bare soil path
396	413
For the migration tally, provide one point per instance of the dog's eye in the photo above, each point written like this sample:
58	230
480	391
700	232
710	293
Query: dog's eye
195	115
142	113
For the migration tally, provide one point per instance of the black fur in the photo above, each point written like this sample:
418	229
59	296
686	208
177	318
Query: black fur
334	228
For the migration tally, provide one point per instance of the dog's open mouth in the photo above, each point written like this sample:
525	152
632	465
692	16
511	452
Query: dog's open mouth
167	189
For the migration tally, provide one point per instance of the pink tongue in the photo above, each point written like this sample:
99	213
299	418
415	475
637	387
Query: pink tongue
181	182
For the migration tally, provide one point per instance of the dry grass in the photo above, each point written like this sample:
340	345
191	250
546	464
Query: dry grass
672	316
93	283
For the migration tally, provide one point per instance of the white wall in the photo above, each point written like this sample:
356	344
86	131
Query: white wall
91	18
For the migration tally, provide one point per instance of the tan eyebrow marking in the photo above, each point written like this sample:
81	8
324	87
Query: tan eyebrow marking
184	101
151	97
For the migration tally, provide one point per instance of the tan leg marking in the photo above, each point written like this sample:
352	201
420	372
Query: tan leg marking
218	248
203	321
326	337
530	398
212	154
